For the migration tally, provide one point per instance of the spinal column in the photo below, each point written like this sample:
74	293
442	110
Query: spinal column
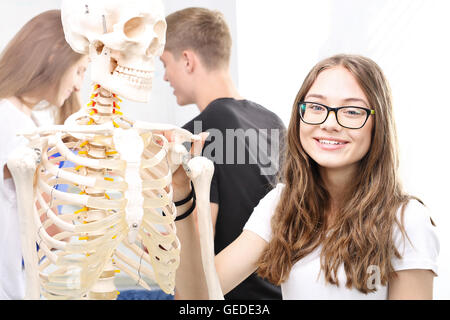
104	107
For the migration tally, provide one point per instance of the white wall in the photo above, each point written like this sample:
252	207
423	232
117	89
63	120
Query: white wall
14	14
279	44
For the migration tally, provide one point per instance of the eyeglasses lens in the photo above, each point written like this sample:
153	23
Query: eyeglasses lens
350	117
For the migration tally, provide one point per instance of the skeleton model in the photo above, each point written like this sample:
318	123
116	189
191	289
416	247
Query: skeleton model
119	189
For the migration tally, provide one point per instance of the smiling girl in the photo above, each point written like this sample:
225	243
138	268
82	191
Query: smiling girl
339	226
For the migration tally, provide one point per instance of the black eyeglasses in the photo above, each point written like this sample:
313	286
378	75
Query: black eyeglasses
348	116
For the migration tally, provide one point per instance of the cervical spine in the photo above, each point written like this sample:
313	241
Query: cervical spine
104	107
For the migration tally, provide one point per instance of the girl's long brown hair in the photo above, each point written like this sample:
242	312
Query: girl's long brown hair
35	60
361	234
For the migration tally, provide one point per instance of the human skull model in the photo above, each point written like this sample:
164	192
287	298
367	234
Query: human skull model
122	39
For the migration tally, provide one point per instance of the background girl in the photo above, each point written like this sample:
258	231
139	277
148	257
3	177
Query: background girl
37	65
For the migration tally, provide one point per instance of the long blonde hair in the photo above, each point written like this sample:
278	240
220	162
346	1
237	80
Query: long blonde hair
36	59
361	235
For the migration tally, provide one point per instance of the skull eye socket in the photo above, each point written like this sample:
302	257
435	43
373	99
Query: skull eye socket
134	27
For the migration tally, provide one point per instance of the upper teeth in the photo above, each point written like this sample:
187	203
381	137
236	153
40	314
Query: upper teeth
330	142
135	79
134	72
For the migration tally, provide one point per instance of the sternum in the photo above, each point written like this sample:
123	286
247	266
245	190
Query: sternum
130	146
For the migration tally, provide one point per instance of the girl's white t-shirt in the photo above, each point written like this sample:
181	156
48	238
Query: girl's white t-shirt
306	282
12	282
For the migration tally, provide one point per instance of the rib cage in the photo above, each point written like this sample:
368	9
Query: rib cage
84	252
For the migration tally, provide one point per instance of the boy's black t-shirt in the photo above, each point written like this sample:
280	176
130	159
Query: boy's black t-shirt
245	144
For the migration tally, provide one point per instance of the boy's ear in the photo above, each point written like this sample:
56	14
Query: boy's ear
190	60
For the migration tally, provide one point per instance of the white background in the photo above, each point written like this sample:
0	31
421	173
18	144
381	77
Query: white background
276	43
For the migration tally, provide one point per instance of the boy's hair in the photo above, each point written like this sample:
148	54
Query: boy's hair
202	30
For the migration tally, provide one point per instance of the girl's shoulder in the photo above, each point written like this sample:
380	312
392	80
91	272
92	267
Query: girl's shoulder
278	189
259	221
419	245
5	103
9	117
9	111
415	215
12	117
272	197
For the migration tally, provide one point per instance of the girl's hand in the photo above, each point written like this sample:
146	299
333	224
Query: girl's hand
180	181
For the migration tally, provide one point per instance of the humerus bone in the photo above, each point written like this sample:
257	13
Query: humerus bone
22	164
201	171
